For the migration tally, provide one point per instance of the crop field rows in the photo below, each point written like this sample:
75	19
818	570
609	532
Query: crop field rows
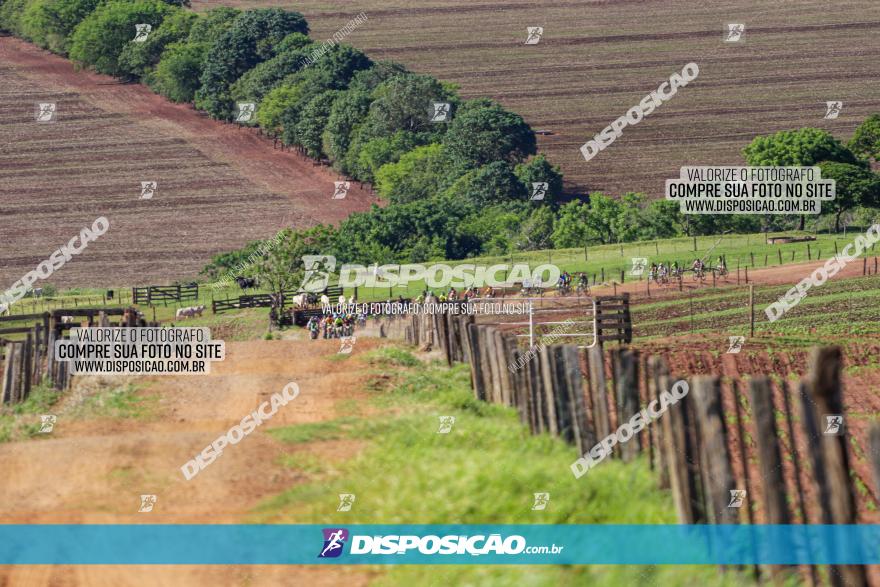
596	60
56	178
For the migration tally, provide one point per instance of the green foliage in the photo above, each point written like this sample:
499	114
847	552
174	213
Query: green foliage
12	13
312	120
98	41
250	40
489	184
482	132
177	74
854	186
805	146
370	156
275	104
349	110
49	23
419	174
282	268
266	76
138	59
866	139
212	24
537	231
538	169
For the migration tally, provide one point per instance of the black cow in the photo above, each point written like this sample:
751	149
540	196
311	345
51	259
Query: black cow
246	282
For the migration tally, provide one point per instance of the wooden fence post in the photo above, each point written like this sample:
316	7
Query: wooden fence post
8	391
627	393
27	367
717	469
656	369
680	453
601	418
821	398
874	439
548	391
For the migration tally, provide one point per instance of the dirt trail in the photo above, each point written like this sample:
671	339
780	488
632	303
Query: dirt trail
94	470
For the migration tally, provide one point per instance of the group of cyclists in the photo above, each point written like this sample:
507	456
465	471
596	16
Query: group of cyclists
335	325
660	273
453	295
564	283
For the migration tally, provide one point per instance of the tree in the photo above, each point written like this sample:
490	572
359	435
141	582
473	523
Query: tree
806	146
866	139
248	41
282	268
419	174
854	186
349	110
177	74
571	225
101	37
137	59
365	159
601	219
266	76
312	120
492	183
539	170
49	23
537	231
482	132
403	102
274	105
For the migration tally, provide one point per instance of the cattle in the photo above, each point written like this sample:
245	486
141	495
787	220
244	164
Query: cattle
246	282
325	301
341	300
189	312
38	292
300	300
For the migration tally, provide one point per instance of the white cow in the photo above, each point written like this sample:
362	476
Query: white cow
325	301
189	312
341	300
300	300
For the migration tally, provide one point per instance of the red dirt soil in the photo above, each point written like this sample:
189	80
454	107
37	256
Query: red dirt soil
219	187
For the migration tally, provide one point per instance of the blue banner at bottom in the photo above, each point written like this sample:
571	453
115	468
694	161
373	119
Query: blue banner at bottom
439	544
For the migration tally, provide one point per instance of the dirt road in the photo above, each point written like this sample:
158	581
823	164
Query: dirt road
94	470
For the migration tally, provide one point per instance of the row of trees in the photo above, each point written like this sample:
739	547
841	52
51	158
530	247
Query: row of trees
454	189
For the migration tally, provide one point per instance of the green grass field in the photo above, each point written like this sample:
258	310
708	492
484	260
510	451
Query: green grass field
484	471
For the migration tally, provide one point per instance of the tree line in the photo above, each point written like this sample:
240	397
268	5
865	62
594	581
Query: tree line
453	189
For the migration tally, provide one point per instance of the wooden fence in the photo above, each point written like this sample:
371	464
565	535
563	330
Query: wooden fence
29	359
722	438
265	300
164	293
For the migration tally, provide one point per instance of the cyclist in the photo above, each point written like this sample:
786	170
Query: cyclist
698	268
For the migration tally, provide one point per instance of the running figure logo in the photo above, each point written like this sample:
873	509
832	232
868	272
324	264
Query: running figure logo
737	496
347	345
334	541
147	503
534	35
341	189
440	112
539	190
148	189
638	265
833	424
318	269
736	343
244	111
45	111
541	501
446	424
47	423
142	31
832	109
346	500
734	32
